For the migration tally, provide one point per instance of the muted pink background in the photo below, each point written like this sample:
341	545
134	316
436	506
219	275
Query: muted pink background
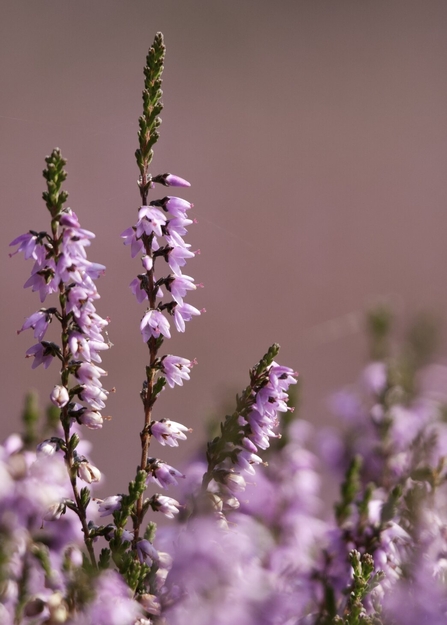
315	138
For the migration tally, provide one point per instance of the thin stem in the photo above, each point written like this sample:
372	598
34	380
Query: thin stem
144	187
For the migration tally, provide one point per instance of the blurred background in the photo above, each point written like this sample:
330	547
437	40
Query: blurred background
314	134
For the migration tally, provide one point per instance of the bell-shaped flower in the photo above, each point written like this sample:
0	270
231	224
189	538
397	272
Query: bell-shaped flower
168	506
43	354
179	285
177	257
129	237
150	220
109	505
176	369
146	551
153	324
168	432
162	474
39	322
184	312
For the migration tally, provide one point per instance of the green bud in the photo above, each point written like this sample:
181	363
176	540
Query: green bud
73	443
85	497
55	174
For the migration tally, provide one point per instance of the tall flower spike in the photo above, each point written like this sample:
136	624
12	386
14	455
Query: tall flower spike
61	267
158	237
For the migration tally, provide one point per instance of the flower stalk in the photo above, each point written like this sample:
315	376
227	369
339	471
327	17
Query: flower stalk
61	267
146	237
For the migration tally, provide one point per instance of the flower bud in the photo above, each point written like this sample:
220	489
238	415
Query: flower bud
48	447
54	512
88	472
91	419
148	263
59	396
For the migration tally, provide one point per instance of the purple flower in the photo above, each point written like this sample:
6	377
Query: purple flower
84	348
182	313
233	481
177	256
153	324
179	285
95	396
146	551
176	369
246	460
31	244
88	373
168	432
176	229
137	290
150	220
70	220
43	354
39	321
130	238
91	324
177	206
80	297
42	279
109	505
168	506
162	474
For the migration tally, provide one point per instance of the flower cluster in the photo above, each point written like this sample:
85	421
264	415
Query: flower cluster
61	266
42	573
145	237
247	431
378	559
160	237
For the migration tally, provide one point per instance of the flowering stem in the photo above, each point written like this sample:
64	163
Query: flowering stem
148	136
223	446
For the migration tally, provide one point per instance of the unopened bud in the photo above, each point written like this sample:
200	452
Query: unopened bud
91	419
59	396
88	472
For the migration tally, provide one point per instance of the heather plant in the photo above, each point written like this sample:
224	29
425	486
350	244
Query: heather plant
250	539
